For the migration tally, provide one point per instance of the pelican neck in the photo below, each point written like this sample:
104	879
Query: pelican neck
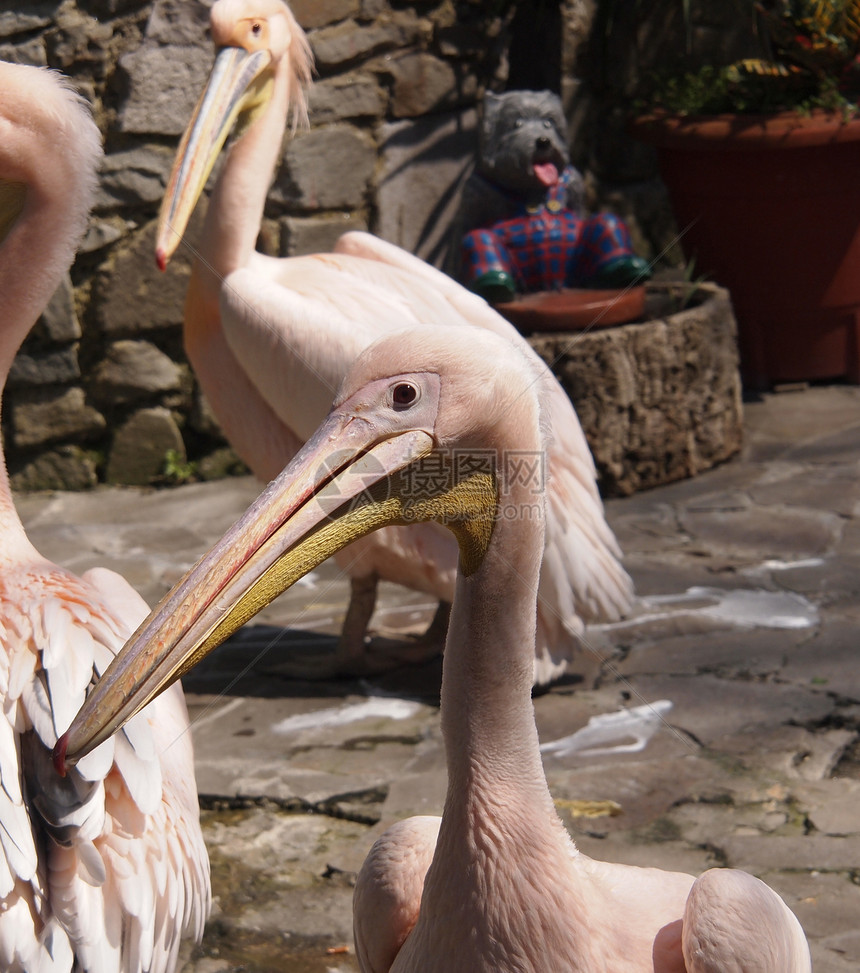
488	669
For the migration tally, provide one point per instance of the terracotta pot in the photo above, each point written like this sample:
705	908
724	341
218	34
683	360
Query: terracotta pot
574	310
770	207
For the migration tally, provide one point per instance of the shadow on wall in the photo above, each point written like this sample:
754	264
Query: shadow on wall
425	165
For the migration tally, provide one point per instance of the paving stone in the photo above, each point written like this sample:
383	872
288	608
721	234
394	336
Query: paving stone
763	531
756	764
810	852
829	660
747	654
834	807
830	488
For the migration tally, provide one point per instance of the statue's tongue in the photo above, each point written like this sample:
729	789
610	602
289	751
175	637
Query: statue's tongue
546	172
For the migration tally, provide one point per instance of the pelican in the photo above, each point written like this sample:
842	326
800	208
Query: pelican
106	870
270	340
495	885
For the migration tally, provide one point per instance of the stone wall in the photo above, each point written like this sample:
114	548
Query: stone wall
101	390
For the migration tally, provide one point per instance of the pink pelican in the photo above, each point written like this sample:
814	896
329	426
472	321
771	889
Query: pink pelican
496	885
271	339
107	870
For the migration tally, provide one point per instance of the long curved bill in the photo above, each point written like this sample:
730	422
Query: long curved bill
238	83
338	487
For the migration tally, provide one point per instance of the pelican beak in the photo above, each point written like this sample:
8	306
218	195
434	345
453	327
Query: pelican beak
239	84
345	482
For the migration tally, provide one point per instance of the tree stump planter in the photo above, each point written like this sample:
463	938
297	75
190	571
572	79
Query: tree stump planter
659	400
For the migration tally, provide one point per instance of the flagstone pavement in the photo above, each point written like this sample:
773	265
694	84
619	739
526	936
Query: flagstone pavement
719	725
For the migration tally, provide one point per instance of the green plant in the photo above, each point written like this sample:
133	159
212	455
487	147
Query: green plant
177	470
810	58
689	284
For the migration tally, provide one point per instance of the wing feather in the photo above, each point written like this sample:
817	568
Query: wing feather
734	922
110	889
295	326
388	890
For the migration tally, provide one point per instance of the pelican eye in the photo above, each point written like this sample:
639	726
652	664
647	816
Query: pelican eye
256	29
404	394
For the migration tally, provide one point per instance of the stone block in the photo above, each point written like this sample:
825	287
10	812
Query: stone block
202	419
110	8
133	370
134	177
467	41
132	295
79	41
319	13
831	807
103	233
221	463
339	47
423	83
164	84
425	162
328	168
46	417
347	96
55	366
659	400
141	445
316	234
59	322
179	22
38	13
373	8
64	468
29	52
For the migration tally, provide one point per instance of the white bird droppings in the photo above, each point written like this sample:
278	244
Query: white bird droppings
603	734
376	708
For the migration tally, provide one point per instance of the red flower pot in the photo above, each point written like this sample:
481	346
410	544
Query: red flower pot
769	207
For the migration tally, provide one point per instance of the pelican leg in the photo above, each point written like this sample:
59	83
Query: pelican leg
359	654
352	644
437	630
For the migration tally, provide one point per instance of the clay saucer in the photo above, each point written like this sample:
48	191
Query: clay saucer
573	309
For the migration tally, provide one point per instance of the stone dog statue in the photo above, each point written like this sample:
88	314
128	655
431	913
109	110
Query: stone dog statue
521	227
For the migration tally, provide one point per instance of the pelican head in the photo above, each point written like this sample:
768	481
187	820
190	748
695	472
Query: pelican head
255	40
414	435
